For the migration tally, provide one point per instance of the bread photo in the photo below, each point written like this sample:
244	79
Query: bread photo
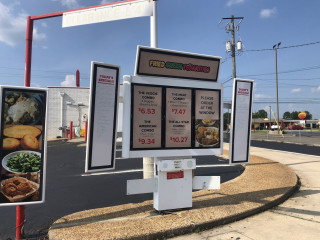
29	142
18	131
10	143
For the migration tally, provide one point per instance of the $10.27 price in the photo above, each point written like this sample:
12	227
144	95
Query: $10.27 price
179	139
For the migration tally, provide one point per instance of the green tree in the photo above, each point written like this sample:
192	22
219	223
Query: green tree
226	118
294	115
287	115
309	115
260	114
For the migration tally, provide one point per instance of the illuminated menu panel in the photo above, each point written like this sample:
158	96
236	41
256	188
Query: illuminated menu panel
147	114
178	118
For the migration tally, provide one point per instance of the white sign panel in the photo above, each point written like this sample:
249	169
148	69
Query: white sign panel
241	121
102	120
110	12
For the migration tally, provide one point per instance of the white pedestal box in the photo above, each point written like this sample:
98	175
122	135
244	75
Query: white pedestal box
174	184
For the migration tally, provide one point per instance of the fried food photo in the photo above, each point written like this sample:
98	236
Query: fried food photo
10	144
18	188
18	131
207	136
29	142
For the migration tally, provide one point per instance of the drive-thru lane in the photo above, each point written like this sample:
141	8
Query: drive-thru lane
69	190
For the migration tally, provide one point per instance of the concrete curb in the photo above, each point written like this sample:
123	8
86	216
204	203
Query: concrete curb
303	144
263	185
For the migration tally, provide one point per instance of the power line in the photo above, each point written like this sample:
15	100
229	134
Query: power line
293	46
282	72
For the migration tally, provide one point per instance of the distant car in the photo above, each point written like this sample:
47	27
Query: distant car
295	127
275	127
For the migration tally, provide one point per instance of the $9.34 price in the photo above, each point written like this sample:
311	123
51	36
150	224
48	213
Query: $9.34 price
146	140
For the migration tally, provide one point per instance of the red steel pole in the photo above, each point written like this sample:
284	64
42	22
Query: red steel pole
20	210
78	78
28	52
70	132
85	130
20	216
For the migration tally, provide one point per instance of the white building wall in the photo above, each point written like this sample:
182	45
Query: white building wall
72	98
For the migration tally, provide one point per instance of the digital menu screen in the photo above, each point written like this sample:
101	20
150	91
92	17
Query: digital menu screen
178	118
22	153
147	117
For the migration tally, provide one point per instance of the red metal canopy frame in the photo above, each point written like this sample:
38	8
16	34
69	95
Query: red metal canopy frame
20	210
29	34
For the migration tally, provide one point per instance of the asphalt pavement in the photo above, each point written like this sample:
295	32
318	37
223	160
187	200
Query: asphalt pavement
69	190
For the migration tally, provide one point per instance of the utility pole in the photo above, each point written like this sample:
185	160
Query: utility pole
275	48
233	46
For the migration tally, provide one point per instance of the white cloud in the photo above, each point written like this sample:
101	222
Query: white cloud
234	2
43	24
38	36
71	4
13	26
259	96
267	13
296	90
70	81
315	89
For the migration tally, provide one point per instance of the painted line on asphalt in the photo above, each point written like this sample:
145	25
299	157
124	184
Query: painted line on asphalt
140	170
110	173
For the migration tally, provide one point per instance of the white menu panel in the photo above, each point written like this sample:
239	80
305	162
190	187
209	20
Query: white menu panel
241	121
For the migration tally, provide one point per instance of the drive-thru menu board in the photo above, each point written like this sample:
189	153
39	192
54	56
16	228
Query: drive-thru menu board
147	117
22	145
241	120
170	119
178	117
102	121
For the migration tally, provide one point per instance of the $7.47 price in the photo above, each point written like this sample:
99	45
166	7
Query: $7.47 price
146	140
178	111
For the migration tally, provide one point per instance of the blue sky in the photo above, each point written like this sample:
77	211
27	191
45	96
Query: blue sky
183	25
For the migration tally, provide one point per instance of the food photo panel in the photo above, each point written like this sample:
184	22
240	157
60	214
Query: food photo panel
207	119
22	143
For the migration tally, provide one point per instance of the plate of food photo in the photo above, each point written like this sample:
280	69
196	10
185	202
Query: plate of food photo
22	108
207	136
208	122
22	162
17	189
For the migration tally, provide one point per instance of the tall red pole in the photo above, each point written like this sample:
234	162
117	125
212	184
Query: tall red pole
28	52
85	130
78	78
20	210
70	132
